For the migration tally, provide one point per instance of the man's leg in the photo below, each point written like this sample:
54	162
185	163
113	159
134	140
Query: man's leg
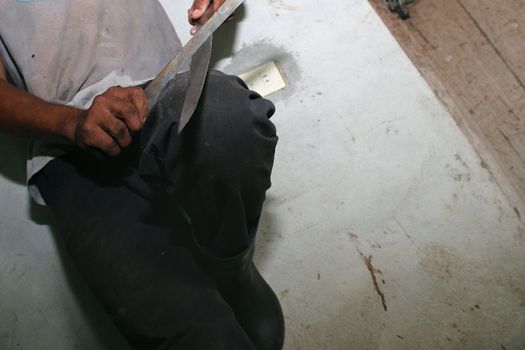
134	258
217	172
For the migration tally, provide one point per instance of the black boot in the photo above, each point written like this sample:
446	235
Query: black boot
254	303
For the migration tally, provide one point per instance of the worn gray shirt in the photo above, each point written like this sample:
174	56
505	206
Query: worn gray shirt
69	51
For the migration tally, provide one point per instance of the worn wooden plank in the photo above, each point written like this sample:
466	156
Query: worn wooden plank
477	73
502	23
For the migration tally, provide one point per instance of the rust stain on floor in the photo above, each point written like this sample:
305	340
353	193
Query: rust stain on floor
373	271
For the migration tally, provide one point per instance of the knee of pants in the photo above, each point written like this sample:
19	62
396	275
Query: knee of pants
230	135
234	137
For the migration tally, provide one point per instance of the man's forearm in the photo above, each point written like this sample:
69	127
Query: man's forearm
107	126
25	115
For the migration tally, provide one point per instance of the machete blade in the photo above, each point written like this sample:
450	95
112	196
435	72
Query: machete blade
181	59
198	72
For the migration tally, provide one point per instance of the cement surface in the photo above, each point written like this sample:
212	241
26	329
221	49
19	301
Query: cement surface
382	229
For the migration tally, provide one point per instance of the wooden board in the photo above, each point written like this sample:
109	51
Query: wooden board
472	54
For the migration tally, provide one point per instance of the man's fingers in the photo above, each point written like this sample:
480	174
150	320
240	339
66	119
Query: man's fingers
201	11
197	10
103	142
127	112
217	4
206	15
135	95
190	16
112	118
192	19
139	99
117	129
202	20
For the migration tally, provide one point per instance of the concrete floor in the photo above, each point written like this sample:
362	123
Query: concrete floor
382	230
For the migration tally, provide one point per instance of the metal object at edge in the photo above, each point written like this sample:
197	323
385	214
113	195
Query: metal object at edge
400	7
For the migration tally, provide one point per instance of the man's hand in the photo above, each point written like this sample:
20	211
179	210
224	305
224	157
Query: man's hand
201	11
108	125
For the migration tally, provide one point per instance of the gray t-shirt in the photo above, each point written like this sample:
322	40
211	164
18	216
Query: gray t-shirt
69	51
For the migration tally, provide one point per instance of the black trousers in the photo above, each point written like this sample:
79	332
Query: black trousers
132	224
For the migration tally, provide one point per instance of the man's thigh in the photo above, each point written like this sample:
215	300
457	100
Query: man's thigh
131	249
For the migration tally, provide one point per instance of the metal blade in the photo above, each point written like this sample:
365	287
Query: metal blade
178	62
198	71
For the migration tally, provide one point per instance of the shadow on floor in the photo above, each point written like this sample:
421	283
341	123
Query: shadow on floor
12	158
13	168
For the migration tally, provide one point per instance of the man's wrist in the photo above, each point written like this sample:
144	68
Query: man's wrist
67	121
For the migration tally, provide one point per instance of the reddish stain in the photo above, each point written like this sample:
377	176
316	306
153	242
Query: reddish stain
368	262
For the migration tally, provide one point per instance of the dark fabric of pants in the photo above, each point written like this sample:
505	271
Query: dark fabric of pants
131	224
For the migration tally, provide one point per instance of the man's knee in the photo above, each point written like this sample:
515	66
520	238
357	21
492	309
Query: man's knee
233	132
230	133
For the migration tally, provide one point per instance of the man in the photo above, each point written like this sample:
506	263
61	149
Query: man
161	226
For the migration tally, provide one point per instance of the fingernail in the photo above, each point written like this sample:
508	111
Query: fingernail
197	13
